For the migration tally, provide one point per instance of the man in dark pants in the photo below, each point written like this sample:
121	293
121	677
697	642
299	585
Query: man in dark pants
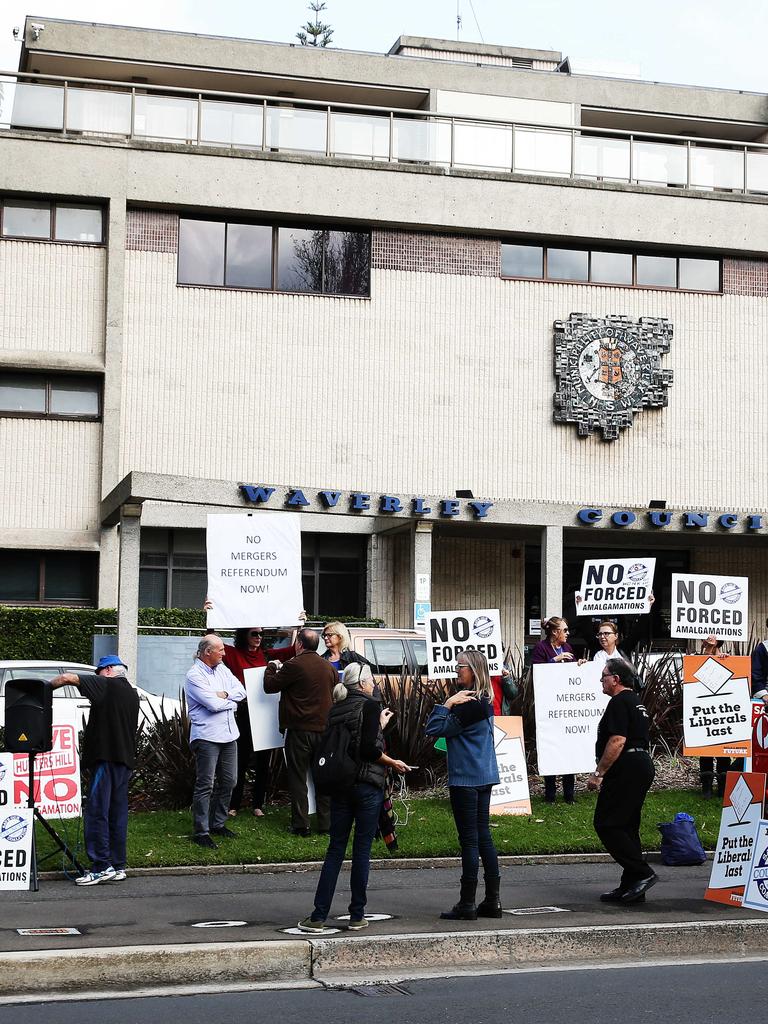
305	684
623	776
109	750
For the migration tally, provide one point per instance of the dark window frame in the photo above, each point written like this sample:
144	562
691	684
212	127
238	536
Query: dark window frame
634	253
50	381
171	567
51	237
275	227
45	602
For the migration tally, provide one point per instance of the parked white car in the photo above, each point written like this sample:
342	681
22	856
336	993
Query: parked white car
67	698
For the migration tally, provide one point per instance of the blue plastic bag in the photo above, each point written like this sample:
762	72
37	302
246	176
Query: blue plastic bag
680	843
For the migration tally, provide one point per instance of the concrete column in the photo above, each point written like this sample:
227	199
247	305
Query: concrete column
108	566
128	587
376	578
551	571
421	562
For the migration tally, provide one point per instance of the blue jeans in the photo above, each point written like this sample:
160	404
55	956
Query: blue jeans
105	816
360	807
470	806
215	778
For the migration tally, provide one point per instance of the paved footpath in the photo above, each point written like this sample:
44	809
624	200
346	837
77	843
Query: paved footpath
129	927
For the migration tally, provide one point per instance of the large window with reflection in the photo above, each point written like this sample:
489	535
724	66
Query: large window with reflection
48	577
227	254
41	220
603	266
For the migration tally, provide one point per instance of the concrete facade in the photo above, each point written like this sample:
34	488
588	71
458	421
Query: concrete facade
440	380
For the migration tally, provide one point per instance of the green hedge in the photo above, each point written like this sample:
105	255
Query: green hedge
42	633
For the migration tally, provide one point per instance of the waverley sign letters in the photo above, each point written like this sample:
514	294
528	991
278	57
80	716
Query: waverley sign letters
352	502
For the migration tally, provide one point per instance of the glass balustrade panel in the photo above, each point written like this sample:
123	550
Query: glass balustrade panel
360	135
170	118
757	171
717	168
421	142
657	163
231	124
98	111
292	128
37	106
479	145
602	159
539	151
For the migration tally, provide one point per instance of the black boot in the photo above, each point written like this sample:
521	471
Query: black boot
491	905
707	778
465	909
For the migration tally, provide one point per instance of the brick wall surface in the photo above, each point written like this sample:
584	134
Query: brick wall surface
745	277
436	254
152	231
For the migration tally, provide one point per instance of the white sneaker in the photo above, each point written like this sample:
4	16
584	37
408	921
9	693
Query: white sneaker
94	877
119	875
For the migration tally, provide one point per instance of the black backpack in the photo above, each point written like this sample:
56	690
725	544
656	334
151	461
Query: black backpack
334	767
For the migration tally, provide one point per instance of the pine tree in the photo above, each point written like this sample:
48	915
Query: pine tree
315	33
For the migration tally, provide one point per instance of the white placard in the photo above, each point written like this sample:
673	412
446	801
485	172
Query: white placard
756	891
735	840
511	795
262	711
254	570
617	586
450	633
704	605
16	825
716	714
569	705
6	782
58	792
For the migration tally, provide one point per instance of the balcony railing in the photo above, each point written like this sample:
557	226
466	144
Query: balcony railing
81	107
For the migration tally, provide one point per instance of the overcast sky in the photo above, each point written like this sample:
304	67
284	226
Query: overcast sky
695	42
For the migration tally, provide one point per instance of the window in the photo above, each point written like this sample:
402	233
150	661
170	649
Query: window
172	569
47	577
46	221
522	261
603	267
293	259
333	573
57	397
387	655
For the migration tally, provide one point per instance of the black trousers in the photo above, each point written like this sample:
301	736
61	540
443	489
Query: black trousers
299	748
618	811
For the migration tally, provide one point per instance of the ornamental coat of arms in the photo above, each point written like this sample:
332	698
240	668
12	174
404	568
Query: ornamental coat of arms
607	369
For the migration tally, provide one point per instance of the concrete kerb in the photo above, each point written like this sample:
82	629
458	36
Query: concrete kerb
361	958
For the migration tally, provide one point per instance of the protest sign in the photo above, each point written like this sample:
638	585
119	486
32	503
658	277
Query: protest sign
254	570
511	795
704	605
569	705
16	830
742	810
616	586
6	782
450	633
58	792
717	708
262	711
756	888
759	737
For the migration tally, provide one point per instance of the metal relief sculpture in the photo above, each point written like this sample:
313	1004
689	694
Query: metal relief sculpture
607	369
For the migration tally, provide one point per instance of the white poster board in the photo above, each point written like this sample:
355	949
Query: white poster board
511	795
450	633
616	586
717	710
756	891
262	711
703	604
58	790
16	825
254	570
569	705
742	811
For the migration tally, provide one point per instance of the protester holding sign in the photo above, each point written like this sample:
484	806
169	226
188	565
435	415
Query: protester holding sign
553	650
623	776
711	646
608	638
466	722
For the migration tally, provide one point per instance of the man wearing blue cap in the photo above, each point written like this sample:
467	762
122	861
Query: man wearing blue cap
109	750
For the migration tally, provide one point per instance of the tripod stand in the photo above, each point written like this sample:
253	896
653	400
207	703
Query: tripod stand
34	883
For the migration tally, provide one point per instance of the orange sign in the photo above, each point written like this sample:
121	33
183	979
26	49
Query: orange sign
742	811
717	707
511	795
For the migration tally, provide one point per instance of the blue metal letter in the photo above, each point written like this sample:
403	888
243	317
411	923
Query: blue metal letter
590	515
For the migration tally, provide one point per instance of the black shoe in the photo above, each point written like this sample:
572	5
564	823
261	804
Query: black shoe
637	892
224	832
205	841
616	896
303	832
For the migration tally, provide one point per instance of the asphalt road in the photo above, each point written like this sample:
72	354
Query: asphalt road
688	994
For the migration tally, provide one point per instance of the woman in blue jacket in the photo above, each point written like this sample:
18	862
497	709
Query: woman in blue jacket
466	722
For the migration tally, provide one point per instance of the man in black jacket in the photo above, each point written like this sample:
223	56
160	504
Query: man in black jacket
109	750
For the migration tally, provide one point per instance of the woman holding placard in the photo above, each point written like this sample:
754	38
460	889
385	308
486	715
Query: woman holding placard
466	722
554	649
608	638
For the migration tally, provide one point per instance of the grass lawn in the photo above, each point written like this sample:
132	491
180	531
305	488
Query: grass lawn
160	838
